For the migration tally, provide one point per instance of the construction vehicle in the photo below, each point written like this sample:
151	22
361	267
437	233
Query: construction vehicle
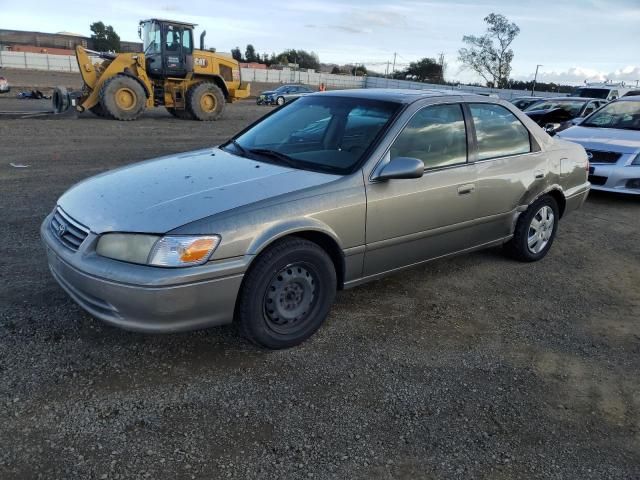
189	83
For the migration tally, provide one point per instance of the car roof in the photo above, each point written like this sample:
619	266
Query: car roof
398	95
572	99
629	98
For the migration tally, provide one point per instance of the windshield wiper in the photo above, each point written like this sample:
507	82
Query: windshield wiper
281	157
243	151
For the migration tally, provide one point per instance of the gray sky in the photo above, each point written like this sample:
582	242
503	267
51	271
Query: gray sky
573	39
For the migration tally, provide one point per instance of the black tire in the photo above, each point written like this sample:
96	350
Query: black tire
60	99
123	98
180	113
543	233
99	111
280	101
287	294
205	102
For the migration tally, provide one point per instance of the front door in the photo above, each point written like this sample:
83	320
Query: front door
412	220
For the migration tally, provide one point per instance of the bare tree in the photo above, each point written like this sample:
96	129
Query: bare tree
489	55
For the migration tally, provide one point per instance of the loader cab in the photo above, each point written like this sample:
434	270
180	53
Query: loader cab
168	47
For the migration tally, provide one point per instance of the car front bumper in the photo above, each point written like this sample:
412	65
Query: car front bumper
143	298
615	178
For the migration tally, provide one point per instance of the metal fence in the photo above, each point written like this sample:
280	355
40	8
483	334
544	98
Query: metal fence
379	82
308	78
67	63
38	61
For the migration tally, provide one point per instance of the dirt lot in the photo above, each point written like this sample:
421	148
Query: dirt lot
472	367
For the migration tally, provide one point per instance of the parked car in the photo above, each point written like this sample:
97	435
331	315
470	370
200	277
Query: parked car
524	102
4	85
331	191
556	114
605	91
611	137
282	94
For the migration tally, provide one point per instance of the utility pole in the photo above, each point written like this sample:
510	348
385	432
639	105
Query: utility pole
386	73
393	70
533	86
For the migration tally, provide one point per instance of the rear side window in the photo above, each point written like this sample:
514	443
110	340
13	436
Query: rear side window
436	135
499	132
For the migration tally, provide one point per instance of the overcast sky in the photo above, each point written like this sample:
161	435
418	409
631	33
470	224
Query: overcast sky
573	39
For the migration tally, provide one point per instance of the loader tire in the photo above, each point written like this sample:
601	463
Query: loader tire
182	114
99	111
123	98
205	101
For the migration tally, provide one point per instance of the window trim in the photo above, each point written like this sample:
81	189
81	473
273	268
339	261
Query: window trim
533	145
466	132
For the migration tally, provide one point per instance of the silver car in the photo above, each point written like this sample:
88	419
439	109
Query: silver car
331	191
611	137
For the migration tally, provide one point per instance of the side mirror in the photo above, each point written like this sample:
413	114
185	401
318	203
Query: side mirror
140	32
551	128
402	167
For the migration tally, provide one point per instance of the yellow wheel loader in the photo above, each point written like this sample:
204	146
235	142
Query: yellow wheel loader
190	84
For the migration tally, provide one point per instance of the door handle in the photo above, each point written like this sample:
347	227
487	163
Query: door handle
539	174
467	188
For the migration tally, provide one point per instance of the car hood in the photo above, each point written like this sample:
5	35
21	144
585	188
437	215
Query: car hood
268	92
623	141
160	195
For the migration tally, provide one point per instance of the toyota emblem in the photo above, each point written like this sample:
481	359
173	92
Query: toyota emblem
61	229
589	156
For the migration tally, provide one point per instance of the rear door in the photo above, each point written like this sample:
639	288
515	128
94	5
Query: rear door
412	220
509	165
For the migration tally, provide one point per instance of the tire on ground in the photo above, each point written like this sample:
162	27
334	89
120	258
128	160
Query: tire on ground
123	98
180	113
258	294
525	231
205	101
99	111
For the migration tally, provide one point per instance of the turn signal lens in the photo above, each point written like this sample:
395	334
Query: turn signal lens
182	251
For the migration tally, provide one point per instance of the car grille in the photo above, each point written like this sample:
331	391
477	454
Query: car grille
597	180
603	157
68	232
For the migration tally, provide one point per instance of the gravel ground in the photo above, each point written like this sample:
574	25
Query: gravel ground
472	367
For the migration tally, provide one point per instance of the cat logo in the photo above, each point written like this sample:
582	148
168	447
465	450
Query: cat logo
200	62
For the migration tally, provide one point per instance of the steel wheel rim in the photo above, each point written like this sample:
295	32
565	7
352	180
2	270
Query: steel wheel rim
280	101
540	229
125	98
291	295
208	102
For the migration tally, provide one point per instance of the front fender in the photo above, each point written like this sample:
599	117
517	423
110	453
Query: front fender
290	227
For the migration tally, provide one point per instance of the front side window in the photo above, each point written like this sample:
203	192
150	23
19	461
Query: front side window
322	133
572	107
436	135
151	38
498	131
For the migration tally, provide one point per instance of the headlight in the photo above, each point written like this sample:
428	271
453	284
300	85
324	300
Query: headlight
167	251
636	161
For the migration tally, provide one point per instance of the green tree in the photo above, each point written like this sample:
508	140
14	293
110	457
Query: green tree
250	54
236	53
303	58
425	70
335	70
104	37
489	55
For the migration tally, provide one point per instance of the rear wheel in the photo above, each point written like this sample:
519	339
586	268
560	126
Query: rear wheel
123	98
205	102
535	231
280	101
287	294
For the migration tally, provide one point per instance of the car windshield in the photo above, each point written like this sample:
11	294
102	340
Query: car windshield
571	106
624	115
321	133
591	93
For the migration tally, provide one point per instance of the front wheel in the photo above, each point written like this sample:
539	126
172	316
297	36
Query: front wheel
205	102
287	294
535	231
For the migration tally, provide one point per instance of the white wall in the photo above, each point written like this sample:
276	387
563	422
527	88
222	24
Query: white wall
64	63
